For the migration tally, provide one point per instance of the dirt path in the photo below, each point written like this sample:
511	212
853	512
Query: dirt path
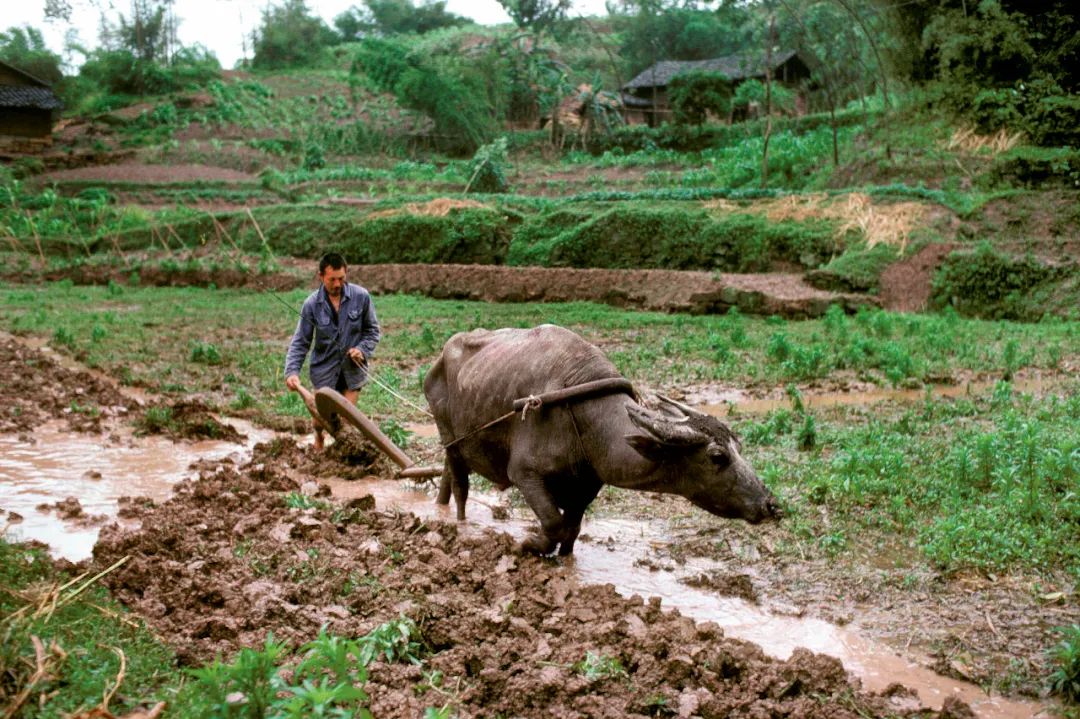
138	173
786	295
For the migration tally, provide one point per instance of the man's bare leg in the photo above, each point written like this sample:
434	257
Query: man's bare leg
349	394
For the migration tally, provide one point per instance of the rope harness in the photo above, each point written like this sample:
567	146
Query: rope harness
533	403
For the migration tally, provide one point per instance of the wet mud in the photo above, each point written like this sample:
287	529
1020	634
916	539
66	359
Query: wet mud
226	560
185	420
36	388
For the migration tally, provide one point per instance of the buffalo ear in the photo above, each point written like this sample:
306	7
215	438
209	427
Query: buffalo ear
648	447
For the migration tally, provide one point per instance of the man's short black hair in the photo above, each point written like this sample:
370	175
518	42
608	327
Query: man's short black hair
331	259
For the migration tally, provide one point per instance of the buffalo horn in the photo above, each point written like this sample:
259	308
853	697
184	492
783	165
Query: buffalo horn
665	430
685	409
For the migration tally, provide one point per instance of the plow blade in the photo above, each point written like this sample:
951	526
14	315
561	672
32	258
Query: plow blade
329	402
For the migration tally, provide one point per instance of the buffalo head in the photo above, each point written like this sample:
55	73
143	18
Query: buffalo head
700	458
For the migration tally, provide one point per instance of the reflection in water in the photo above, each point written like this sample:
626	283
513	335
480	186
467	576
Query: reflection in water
61	464
608	559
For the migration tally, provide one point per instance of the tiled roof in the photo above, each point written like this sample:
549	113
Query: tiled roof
735	67
41	98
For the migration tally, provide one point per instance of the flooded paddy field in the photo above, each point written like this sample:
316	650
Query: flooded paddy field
246	530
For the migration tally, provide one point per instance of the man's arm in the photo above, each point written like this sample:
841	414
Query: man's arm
299	346
369	330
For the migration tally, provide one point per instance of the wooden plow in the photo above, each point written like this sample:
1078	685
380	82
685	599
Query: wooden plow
327	403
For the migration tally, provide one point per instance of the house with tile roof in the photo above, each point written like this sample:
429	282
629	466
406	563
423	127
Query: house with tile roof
28	108
647	94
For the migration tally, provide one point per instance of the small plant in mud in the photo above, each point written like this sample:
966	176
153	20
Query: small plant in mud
205	353
63	337
397	434
395	641
155	420
243	399
1064	680
327	681
299	500
659	705
88	410
599	666
246	687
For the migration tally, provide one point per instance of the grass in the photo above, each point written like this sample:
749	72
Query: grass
58	662
152	333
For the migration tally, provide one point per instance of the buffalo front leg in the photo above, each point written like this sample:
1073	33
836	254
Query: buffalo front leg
574	500
539	499
455	480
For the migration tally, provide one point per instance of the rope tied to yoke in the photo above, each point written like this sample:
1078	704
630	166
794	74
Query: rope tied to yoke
534	402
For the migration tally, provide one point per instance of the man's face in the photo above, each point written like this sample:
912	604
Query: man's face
333	279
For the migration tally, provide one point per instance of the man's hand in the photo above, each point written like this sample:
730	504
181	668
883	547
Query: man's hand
293	382
356	355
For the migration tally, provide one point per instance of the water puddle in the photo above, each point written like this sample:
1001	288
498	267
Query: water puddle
607	558
720	403
97	471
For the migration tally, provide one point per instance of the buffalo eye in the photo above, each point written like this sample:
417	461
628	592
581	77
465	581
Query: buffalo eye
721	460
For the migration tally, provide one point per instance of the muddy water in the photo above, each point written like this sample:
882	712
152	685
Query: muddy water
97	471
605	555
60	464
721	403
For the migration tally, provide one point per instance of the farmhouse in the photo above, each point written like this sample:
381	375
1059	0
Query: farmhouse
645	97
27	107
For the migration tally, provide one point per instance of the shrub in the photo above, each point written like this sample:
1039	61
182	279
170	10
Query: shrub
465	236
675	238
487	171
1034	167
857	270
696	95
987	283
1065	656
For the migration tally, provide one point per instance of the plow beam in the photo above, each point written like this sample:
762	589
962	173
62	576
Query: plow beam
329	402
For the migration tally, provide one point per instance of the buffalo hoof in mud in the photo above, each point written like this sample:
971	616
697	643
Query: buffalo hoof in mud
539	544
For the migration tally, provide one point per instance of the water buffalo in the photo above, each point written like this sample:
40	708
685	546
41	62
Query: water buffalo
560	455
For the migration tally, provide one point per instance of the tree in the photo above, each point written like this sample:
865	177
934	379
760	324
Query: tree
654	30
289	36
399	17
24	47
536	15
351	24
695	95
444	88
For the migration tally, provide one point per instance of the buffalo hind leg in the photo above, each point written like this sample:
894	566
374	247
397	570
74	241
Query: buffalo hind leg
455	480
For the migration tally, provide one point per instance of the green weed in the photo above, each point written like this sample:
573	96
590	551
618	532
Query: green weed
299	500
599	666
1064	679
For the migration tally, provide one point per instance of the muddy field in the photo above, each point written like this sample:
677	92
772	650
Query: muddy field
225	560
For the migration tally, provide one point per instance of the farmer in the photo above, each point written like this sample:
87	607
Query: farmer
340	317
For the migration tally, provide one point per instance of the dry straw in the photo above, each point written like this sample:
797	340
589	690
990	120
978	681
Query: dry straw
884	223
439	207
967	139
